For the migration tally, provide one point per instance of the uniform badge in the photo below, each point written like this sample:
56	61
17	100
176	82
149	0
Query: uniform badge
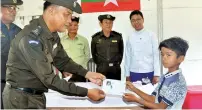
33	42
14	1
114	40
55	46
108	16
99	41
2	35
74	4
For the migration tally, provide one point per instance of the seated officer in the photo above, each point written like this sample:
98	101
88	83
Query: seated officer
107	48
77	48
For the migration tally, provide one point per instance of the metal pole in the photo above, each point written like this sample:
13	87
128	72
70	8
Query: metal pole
160	24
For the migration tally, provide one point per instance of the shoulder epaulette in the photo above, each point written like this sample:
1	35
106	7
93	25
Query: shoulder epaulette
37	31
116	33
96	34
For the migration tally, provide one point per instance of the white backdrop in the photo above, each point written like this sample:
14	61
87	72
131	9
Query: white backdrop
180	18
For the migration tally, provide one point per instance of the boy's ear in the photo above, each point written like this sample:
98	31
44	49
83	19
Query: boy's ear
180	59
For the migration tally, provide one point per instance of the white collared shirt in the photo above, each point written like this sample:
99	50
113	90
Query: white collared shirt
141	53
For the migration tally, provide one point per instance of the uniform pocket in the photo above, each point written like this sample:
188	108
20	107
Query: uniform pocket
114	47
36	102
18	99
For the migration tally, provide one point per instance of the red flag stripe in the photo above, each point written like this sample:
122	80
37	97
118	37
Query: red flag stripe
99	6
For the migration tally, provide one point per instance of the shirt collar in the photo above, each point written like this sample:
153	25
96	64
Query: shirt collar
168	75
102	34
67	36
45	28
142	30
4	26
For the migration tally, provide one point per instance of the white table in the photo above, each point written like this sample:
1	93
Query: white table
55	99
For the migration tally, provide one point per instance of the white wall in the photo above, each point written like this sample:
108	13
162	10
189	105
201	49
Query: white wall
180	18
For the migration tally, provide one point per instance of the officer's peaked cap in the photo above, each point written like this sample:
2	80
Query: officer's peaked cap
70	4
11	2
106	16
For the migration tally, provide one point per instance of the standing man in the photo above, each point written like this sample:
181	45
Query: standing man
141	54
35	51
77	47
107	48
8	32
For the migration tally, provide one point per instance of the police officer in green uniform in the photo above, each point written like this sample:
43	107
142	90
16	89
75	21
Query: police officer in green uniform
8	32
107	48
33	55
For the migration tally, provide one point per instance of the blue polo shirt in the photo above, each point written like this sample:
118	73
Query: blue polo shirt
172	89
7	35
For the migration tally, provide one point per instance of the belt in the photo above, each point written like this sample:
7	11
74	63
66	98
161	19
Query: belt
27	90
110	64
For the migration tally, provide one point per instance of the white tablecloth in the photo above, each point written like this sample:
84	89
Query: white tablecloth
55	99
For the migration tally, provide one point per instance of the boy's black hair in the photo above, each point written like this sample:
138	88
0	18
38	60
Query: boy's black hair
136	12
76	19
46	5
176	44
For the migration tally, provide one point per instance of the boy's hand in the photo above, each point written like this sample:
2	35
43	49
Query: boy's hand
130	85
130	97
155	79
127	78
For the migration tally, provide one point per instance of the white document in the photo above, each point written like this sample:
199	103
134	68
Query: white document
113	87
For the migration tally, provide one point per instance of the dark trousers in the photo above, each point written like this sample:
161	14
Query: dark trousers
140	76
2	88
111	72
17	99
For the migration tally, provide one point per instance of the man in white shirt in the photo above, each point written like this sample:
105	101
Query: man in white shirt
141	53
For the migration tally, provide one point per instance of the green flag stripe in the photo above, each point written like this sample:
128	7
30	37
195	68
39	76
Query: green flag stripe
92	0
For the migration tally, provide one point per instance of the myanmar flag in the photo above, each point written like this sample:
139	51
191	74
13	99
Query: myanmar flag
89	6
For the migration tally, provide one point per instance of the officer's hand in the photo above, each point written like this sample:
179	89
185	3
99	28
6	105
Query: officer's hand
96	94
94	77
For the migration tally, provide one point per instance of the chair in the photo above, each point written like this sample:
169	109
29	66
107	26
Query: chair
91	66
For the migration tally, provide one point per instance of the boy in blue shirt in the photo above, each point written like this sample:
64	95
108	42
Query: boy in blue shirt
171	90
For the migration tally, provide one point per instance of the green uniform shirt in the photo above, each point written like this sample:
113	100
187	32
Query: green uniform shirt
77	49
33	53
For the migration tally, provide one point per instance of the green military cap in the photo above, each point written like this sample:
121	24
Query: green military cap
106	16
70	4
11	2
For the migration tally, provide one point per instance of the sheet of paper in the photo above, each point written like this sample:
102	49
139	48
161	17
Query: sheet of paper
113	87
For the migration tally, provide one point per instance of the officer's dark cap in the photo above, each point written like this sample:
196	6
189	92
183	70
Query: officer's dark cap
11	2
70	4
106	16
75	19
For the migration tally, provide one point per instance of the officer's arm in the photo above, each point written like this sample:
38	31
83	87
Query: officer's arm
93	50
41	65
65	64
121	47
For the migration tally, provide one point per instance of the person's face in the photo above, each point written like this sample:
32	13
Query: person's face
8	13
73	27
62	18
137	22
170	59
106	25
